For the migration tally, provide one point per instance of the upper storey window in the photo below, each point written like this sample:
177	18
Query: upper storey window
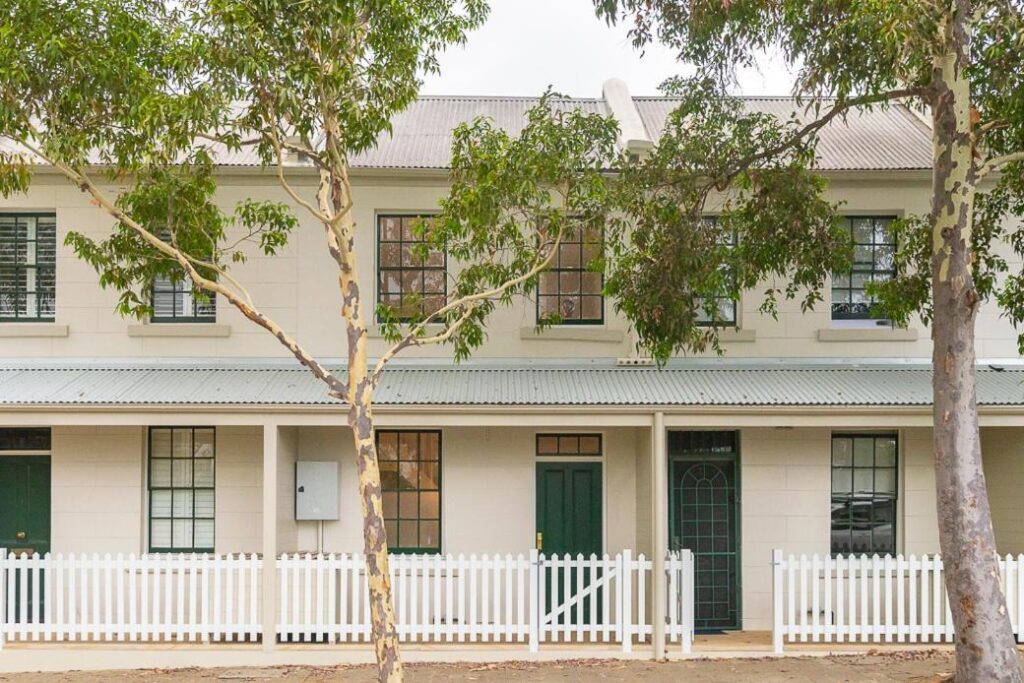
874	251
407	283
175	301
28	267
568	289
725	305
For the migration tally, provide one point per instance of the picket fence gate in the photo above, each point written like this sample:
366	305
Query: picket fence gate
890	599
526	598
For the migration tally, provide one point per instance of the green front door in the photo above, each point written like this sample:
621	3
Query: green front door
25	521
569	522
704	518
25	503
569	512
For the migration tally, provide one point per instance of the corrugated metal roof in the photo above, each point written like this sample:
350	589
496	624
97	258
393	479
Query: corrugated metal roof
136	383
421	137
886	139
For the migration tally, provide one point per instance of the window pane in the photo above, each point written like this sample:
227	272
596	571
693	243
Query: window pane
160	504
568	445
204	533
181	445
590	445
430	534
863	452
408	446
182	505
547	445
159	472
181	473
160	533
408	505
885	481
863	481
842	480
204	504
204	443
387	446
430	505
181	533
203	470
408	534
885	452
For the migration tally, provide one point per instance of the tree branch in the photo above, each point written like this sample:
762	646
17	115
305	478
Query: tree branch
467	303
995	163
85	184
816	125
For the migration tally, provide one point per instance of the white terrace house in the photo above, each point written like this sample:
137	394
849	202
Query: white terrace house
192	433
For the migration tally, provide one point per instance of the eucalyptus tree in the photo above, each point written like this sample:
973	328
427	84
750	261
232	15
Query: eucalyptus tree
960	61
135	101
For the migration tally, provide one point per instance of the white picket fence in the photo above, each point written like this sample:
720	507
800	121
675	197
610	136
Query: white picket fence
872	599
526	598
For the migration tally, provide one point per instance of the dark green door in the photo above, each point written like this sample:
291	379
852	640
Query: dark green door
25	503
25	514
704	517
569	507
569	520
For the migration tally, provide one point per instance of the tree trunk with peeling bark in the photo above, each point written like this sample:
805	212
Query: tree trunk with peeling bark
985	646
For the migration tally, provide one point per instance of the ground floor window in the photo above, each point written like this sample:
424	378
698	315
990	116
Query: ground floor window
410	476
181	489
864	493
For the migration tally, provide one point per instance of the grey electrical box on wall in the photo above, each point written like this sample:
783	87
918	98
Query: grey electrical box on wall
316	490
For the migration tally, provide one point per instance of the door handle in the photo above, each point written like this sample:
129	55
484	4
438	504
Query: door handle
540	541
21	536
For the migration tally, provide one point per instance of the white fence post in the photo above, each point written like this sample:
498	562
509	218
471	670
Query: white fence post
626	616
777	601
3	594
687	586
535	598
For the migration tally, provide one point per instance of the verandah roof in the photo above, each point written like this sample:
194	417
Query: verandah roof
52	382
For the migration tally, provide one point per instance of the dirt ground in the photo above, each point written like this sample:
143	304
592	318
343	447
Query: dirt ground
919	666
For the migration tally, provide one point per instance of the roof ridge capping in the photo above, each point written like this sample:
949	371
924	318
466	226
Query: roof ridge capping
633	135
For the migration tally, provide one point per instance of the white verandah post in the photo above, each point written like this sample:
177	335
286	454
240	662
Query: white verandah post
659	542
777	601
269	577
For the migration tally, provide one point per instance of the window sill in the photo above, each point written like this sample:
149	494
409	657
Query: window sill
573	333
867	334
374	331
737	335
33	330
179	330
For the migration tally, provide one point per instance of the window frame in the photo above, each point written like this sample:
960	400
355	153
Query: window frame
578	455
393	545
875	497
21	268
848	287
582	269
150	488
734	322
179	288
401	269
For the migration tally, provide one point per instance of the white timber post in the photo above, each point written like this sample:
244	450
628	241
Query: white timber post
534	579
3	593
777	601
659	518
269	578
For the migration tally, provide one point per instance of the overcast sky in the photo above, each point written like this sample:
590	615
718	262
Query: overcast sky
527	45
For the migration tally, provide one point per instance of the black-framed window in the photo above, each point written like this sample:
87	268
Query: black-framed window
25	439
725	304
572	445
28	267
568	289
176	301
410	477
874	260
864	492
407	283
181	489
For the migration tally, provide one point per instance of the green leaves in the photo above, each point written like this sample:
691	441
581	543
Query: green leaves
513	199
726	201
